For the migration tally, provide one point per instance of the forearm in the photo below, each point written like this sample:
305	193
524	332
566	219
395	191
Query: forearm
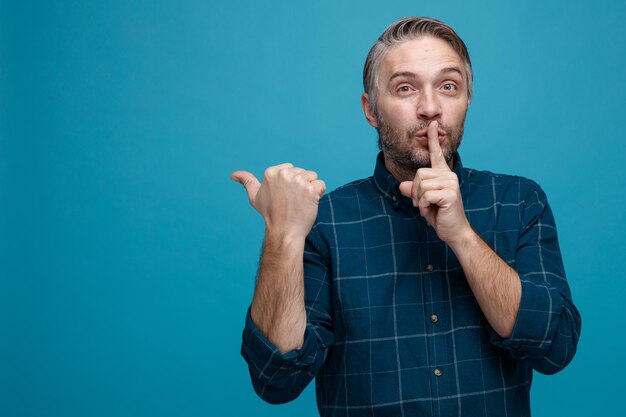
495	284
278	304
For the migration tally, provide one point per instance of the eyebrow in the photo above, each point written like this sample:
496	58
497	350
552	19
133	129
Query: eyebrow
410	74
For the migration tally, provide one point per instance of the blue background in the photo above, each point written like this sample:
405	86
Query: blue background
127	256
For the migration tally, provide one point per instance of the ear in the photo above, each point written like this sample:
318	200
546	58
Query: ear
367	109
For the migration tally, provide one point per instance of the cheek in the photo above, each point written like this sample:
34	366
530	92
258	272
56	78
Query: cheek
400	113
457	113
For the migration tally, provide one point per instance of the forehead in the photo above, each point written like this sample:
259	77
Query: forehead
423	55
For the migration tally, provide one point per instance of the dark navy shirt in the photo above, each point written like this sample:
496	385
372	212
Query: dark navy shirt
393	328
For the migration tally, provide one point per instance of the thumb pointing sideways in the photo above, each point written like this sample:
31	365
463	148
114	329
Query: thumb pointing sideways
249	181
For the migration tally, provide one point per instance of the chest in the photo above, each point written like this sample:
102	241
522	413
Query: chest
392	276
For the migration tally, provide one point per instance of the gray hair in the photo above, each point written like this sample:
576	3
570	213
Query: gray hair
403	30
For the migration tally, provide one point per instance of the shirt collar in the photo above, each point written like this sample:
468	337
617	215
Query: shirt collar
388	185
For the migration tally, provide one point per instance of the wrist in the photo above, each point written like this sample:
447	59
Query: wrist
464	241
283	240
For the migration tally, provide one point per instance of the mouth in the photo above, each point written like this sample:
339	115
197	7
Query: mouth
422	136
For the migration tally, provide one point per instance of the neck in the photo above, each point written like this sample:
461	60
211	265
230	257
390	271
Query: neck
399	172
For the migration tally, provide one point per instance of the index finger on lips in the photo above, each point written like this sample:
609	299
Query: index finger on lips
434	148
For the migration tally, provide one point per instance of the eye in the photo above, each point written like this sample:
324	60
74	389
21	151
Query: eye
449	87
404	88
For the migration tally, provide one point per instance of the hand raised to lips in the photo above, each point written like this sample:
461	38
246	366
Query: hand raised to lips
435	191
423	136
437	160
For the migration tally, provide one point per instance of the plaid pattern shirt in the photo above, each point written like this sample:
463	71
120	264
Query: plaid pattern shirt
393	328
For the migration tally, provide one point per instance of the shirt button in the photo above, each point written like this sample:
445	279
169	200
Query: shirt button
434	318
394	198
429	268
438	372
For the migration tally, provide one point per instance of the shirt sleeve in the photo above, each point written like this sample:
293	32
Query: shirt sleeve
547	327
280	377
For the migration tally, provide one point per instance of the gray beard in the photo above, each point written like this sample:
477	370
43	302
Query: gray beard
407	160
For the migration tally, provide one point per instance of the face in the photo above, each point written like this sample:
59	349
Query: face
420	80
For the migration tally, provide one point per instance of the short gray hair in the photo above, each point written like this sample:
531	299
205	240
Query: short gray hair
407	29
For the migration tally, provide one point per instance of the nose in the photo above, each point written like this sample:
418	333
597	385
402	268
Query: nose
428	106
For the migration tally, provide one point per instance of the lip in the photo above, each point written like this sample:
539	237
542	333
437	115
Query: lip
422	136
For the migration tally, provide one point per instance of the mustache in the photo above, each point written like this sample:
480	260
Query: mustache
415	129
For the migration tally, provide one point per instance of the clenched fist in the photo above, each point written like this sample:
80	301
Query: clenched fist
287	199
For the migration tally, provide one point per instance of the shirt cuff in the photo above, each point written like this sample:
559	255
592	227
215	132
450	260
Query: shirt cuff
537	319
266	361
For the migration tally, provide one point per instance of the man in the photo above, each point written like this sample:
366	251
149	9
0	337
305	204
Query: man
426	289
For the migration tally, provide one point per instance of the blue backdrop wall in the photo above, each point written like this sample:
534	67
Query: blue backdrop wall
127	256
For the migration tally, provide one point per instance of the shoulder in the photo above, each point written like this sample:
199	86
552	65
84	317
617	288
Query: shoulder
500	185
339	207
341	203
483	177
505	199
351	189
508	196
350	192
